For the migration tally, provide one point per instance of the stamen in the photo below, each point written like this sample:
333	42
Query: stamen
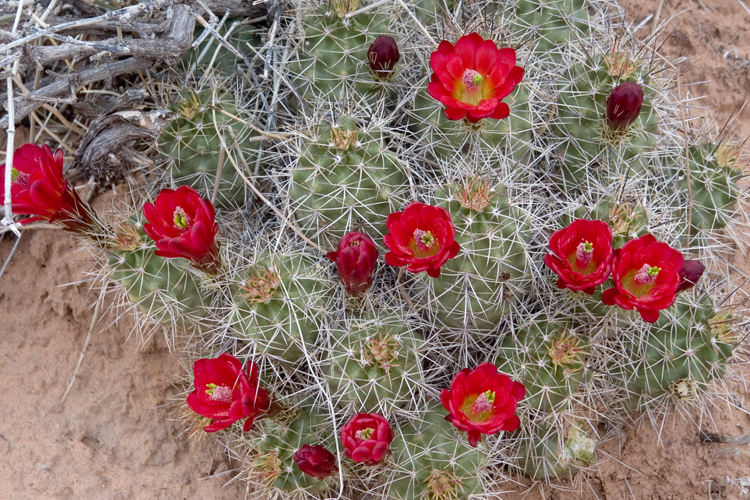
484	402
646	275
181	219
472	79
584	253
219	393
20	178
364	434
424	239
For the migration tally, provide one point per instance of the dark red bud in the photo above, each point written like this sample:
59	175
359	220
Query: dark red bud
315	461
383	56
355	260
624	105
691	272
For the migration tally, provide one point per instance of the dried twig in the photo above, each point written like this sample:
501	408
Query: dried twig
10	139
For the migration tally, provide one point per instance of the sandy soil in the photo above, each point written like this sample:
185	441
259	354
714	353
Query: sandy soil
114	436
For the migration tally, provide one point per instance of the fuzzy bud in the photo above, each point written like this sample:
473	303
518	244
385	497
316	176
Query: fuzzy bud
624	105
383	56
315	461
691	272
355	261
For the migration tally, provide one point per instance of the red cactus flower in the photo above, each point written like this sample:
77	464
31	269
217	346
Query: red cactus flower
39	188
624	105
582	255
355	261
383	56
422	237
315	461
183	225
473	77
691	272
483	401
647	276
226	393
367	438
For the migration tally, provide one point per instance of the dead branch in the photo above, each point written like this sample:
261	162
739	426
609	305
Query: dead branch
110	150
167	50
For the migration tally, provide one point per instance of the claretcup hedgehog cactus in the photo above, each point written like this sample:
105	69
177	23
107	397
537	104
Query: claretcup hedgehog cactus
493	203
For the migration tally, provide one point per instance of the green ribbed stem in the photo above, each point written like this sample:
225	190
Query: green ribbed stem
492	270
192	144
433	461
345	179
713	186
374	362
588	149
549	359
333	64
547	453
277	304
167	290
275	443
680	346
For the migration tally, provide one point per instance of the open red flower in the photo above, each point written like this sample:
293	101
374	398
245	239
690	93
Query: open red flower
183	225
473	77
582	255
367	438
355	261
483	401
422	237
226	393
647	275
315	461
39	188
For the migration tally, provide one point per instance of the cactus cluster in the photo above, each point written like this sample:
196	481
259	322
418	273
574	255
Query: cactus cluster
347	148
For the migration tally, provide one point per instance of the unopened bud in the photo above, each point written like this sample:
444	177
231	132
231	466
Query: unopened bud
691	272
383	56
624	105
355	260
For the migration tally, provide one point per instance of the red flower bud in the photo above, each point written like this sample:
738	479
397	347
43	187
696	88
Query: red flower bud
183	225
582	255
472	78
39	188
647	274
483	401
355	261
367	438
226	393
422	237
624	105
315	461
691	272
383	56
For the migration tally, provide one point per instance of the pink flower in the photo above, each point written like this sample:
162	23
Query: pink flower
226	393
422	237
355	260
581	255
183	225
473	77
483	401
39	188
367	438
